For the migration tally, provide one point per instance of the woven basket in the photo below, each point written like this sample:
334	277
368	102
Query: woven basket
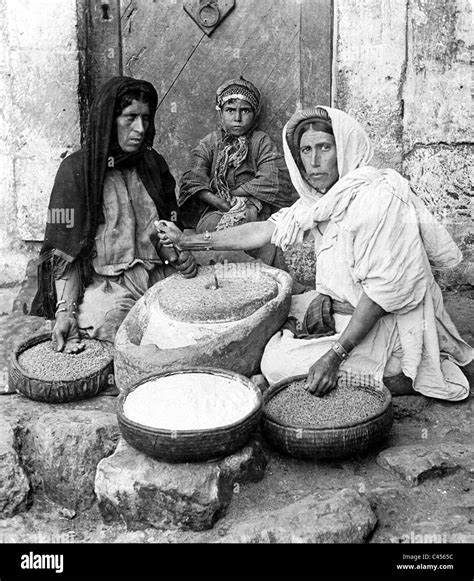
191	445
326	443
55	391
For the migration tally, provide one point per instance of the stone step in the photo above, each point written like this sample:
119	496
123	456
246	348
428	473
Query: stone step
341	517
143	491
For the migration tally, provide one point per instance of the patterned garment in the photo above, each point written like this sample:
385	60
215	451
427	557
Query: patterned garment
232	153
262	174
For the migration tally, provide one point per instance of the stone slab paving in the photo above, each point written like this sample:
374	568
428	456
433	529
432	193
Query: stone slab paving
416	463
37	496
341	517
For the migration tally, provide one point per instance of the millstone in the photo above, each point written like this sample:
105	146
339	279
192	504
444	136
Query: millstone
211	296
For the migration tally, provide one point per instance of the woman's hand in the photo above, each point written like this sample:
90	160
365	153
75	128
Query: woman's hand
66	334
168	233
186	264
322	376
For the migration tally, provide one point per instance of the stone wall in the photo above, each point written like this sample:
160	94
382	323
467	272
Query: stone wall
402	69
39	121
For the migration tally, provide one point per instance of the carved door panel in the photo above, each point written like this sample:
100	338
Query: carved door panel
283	46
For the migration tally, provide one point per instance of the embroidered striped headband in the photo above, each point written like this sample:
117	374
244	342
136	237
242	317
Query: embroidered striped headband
238	89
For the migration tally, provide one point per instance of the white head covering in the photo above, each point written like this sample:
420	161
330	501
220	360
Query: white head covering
353	146
354	151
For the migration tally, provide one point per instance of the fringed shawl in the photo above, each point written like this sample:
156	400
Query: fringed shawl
78	188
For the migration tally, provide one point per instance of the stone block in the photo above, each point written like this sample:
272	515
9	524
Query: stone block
341	517
14	484
416	463
437	89
143	491
441	176
371	53
61	450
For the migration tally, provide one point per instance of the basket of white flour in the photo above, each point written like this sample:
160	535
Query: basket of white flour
190	415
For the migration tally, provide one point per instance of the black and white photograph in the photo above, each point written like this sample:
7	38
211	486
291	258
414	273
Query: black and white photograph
236	289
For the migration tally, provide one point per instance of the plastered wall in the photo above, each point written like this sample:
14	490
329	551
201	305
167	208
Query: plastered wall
39	122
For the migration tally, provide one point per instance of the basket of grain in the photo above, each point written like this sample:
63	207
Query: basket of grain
41	373
346	421
190	415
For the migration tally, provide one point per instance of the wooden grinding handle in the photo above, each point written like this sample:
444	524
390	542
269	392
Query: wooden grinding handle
176	248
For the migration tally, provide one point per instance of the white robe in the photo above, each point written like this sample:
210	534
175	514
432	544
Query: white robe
373	235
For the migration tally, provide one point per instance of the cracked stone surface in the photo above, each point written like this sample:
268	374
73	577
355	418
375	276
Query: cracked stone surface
14	484
143	491
61	450
341	517
416	463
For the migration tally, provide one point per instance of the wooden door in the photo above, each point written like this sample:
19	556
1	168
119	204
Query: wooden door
283	46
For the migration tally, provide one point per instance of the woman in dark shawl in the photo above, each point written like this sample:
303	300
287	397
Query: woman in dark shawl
93	268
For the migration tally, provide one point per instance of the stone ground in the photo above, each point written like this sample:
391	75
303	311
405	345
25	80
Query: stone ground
416	487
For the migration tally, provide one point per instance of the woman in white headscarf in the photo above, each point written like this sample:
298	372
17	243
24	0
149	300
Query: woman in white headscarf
377	311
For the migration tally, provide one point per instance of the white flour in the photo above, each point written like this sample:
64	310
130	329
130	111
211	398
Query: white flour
189	401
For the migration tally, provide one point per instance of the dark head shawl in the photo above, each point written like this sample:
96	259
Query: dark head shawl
78	187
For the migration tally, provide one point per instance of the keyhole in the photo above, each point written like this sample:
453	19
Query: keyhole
105	11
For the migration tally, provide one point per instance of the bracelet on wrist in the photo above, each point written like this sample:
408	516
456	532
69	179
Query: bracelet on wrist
205	244
71	309
339	351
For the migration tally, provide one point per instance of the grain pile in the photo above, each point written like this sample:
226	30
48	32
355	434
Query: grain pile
342	406
189	401
44	362
198	300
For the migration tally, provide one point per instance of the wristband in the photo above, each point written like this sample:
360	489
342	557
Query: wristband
71	310
339	351
206	244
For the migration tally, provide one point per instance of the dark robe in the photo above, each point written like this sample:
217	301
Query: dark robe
78	188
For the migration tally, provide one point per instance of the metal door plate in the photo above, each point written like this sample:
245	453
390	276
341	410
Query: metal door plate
208	14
